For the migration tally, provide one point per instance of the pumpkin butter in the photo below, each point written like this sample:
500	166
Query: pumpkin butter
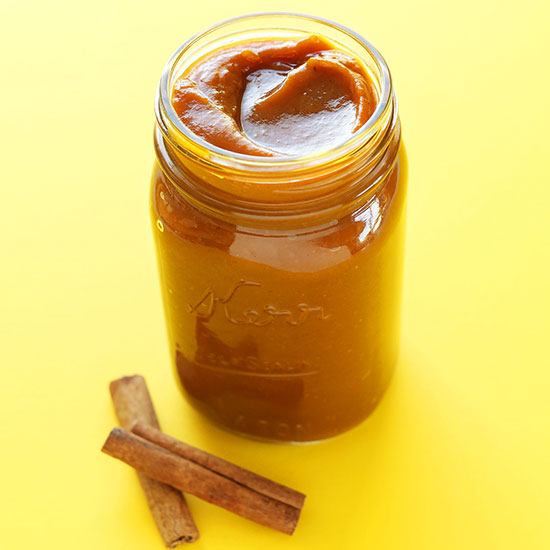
275	97
278	208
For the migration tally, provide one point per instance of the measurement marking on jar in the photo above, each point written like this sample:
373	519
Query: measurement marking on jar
255	373
207	304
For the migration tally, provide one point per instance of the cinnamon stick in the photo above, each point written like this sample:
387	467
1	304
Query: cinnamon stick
133	403
227	469
168	467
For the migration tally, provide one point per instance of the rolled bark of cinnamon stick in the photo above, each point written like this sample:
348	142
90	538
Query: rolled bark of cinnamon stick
170	511
245	477
168	467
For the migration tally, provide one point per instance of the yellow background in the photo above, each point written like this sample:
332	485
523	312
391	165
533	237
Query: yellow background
458	454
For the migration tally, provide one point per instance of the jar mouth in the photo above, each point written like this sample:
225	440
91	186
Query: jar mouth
191	145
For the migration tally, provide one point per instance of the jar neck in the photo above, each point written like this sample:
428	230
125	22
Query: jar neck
285	192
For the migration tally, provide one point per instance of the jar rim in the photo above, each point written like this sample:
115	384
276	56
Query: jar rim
169	121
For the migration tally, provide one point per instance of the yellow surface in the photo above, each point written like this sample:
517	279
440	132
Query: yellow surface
458	454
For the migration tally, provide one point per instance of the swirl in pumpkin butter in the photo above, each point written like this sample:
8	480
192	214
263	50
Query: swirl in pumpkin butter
275	97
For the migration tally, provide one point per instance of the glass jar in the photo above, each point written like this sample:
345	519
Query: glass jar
281	278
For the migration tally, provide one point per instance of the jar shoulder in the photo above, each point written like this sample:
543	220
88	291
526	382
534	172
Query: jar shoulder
297	250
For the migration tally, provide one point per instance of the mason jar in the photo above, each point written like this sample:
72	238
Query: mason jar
281	276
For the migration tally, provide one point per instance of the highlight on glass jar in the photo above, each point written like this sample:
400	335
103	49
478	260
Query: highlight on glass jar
278	209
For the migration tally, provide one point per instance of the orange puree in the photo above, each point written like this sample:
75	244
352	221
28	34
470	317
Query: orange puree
275	97
281	272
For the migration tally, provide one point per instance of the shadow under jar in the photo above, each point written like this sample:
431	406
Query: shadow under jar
281	276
